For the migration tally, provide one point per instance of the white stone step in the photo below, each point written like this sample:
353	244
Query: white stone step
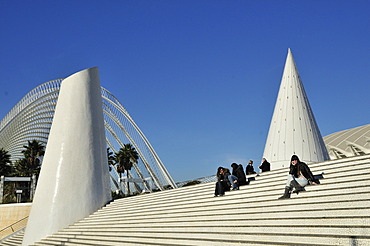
207	238
86	241
267	206
315	191
255	184
240	215
308	222
336	212
312	191
13	240
227	227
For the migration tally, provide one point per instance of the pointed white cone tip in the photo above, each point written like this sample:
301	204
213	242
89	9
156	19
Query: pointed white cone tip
74	178
286	131
289	57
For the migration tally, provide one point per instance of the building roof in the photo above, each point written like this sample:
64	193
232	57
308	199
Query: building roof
351	142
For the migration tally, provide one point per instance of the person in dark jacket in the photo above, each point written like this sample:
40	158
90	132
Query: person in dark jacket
265	166
222	183
250	169
299	176
238	176
227	174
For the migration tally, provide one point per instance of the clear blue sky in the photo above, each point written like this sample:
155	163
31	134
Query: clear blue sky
200	78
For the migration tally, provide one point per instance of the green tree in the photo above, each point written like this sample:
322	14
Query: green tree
5	164
111	159
192	182
31	163
125	158
22	168
9	195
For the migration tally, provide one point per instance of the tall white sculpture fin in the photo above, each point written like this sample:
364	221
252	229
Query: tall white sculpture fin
74	178
293	128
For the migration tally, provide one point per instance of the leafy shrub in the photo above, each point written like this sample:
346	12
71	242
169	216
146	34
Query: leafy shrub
193	182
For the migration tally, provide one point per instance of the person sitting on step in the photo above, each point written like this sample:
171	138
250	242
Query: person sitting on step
238	176
250	169
265	165
222	183
227	174
299	176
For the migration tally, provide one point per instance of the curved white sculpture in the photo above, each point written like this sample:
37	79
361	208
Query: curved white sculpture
31	119
74	178
293	128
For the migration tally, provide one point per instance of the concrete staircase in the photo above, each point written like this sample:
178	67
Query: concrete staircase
336	212
13	239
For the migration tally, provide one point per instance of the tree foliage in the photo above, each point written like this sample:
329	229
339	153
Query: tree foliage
125	158
6	168
31	163
25	167
111	159
193	182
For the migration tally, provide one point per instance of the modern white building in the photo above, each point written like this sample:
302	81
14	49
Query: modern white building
293	129
347	143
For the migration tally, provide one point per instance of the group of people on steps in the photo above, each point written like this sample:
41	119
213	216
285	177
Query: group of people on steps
227	181
299	176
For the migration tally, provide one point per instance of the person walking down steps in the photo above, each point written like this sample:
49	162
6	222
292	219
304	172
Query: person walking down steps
299	176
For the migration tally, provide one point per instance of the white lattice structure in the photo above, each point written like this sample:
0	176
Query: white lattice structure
347	143
32	116
293	128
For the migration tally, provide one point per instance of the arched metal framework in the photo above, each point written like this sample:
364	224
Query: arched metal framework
347	143
32	116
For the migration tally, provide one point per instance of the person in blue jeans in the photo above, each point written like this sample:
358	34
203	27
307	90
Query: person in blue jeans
238	176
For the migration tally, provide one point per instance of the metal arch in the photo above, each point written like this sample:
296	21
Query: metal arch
151	172
119	107
138	171
27	99
31	118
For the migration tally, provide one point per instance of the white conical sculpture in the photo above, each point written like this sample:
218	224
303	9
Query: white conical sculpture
74	178
293	129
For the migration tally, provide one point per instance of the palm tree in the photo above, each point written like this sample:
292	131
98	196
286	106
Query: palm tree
110	159
125	158
32	152
22	168
5	163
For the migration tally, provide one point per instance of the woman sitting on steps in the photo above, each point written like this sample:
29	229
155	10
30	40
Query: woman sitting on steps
299	176
222	183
